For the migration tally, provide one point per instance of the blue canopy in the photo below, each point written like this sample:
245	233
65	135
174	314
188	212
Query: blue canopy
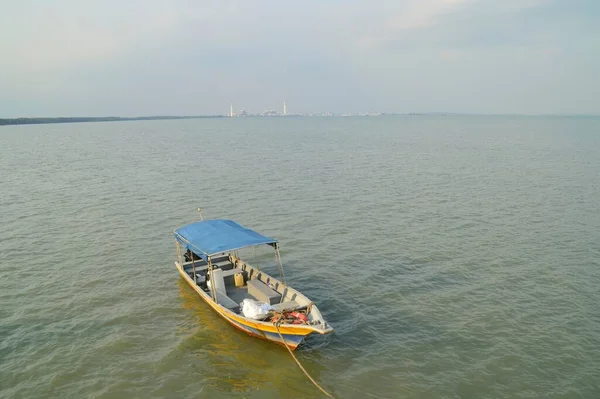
211	237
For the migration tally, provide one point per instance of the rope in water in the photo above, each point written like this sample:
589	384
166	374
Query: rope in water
297	361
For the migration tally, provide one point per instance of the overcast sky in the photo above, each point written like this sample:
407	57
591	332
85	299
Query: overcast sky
191	57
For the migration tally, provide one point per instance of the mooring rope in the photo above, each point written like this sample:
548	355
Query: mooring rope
277	323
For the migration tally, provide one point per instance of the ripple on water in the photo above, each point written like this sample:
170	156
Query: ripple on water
455	257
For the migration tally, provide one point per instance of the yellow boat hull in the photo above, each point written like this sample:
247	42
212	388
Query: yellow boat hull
293	335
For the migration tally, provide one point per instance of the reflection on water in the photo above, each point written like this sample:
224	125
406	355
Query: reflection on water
454	256
237	362
220	345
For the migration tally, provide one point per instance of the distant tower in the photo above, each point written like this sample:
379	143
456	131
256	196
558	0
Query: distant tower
231	110
284	108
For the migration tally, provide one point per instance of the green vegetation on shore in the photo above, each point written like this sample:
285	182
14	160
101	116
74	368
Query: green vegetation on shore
32	121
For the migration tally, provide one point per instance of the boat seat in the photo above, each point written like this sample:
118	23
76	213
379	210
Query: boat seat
221	264
224	273
225	301
286	305
219	281
230	272
263	292
218	276
189	268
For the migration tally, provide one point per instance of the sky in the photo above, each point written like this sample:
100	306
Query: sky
194	57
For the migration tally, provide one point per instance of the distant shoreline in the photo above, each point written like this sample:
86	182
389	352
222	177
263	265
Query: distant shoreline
38	121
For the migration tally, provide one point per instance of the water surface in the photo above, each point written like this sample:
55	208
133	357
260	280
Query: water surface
457	257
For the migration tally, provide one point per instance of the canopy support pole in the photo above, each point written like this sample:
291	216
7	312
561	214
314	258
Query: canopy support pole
194	269
212	280
179	258
255	259
279	264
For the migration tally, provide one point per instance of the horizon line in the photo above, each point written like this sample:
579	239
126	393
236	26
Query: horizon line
83	119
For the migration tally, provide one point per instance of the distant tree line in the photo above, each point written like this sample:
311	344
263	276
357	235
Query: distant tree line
33	121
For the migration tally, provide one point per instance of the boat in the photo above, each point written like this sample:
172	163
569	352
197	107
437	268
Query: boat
208	260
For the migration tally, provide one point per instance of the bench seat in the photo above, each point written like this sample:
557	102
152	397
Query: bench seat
231	272
221	264
224	300
263	292
219	282
286	305
227	302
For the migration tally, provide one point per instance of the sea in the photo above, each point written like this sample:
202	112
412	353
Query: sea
455	256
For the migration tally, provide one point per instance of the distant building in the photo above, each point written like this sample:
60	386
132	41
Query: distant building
269	112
